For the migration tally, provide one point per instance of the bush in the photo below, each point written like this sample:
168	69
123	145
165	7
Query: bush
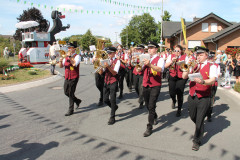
25	65
3	64
32	72
237	87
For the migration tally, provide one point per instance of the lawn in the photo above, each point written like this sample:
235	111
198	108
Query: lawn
22	75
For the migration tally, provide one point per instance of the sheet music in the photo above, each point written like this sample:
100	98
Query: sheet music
195	75
105	60
144	56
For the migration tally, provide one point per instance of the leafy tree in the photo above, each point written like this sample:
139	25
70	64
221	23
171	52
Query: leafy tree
8	42
140	29
32	14
166	16
87	40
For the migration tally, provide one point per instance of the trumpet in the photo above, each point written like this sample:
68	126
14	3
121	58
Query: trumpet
173	64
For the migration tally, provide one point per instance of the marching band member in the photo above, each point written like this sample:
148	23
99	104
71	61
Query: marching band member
99	81
138	77
128	69
71	64
176	82
111	83
152	84
211	56
120	56
200	93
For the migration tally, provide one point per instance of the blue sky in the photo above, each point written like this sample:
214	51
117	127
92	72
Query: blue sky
111	25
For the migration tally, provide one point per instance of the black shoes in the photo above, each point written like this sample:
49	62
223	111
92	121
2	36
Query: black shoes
69	113
178	114
111	121
147	133
195	146
173	105
155	122
78	103
141	106
100	103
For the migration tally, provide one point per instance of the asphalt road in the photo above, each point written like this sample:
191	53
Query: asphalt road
33	126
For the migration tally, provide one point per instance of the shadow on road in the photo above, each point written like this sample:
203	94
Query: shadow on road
218	124
29	151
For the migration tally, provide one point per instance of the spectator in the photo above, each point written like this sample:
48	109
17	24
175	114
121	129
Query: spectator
6	53
229	69
224	57
236	63
52	61
218	57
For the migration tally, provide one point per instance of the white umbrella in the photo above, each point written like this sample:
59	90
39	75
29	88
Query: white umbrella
26	24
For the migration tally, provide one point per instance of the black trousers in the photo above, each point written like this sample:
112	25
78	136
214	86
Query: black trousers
129	77
176	87
213	93
110	90
121	78
198	108
69	90
150	97
137	82
99	80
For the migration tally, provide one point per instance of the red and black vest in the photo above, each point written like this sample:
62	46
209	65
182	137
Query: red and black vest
71	72
148	78
176	71
109	78
201	90
122	57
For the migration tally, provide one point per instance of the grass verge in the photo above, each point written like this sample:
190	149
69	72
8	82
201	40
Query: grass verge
22	75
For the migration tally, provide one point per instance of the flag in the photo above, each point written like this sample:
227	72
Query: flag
184	30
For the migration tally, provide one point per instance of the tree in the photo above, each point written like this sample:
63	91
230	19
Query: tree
32	14
87	40
166	16
140	29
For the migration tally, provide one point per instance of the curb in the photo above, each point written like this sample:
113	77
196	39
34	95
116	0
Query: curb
28	85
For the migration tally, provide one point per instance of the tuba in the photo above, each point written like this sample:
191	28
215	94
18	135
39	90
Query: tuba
100	54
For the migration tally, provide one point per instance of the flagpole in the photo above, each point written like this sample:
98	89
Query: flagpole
161	41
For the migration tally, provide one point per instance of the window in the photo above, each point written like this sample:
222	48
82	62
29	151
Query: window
205	27
214	27
192	44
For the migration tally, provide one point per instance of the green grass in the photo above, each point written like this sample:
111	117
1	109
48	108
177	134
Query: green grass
22	75
237	87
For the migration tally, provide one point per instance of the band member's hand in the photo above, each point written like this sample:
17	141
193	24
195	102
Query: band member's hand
190	60
174	59
60	59
138	69
198	80
146	62
106	64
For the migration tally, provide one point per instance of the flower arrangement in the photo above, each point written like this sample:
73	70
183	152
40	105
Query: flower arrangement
25	65
7	77
232	51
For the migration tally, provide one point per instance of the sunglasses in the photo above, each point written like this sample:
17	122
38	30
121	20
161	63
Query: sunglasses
177	51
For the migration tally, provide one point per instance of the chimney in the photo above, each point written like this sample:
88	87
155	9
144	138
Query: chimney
195	19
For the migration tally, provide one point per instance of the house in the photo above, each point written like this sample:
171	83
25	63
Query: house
211	31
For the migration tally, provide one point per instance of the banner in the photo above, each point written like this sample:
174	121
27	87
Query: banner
137	9
184	30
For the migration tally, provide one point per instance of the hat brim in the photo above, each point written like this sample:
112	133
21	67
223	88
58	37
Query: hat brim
139	48
109	52
200	51
151	45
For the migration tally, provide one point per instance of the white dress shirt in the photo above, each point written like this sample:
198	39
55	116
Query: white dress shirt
160	63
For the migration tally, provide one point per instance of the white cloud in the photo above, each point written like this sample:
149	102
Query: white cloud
121	21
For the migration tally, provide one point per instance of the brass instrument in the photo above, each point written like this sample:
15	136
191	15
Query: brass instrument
193	63
173	64
63	54
135	61
100	54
